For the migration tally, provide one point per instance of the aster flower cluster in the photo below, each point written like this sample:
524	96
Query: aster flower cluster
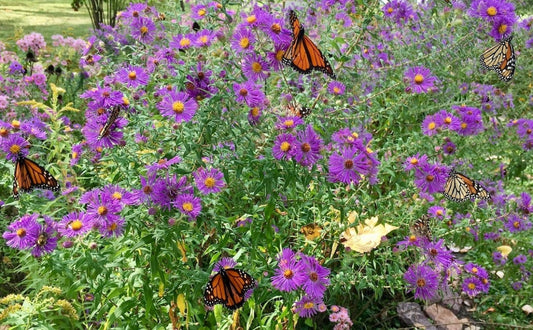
304	147
32	42
297	270
524	130
341	317
400	11
352	159
468	121
429	178
500	14
477	280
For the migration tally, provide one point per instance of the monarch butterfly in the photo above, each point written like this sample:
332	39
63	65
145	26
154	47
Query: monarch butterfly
303	55
299	111
228	287
29	175
110	121
500	58
460	188
421	227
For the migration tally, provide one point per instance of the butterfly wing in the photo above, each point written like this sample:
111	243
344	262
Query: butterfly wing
500	58
30	175
421	227
299	111
106	129
303	55
460	188
228	287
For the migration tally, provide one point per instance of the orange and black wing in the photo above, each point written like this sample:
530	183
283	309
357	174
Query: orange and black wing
500	58
228	287
460	188
299	111
303	55
30	175
106	129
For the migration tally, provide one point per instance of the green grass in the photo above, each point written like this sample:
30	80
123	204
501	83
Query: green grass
48	17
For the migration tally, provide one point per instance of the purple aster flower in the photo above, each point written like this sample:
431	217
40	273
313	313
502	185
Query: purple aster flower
162	164
255	67
288	123
113	137
286	256
275	59
198	12
476	270
317	277
449	147
430	178
517	285
249	93
472	286
446	119
242	40
470	122
439	254
99	210
204	38
224	263
119	194
492	10
502	27
189	205
422	280
516	223
22	233
46	240
284	146
308	145
420	80
400	11
307	306
15	146
336	88
254	115
438	212
16	68
498	258
525	203
348	166
178	105
211	181
143	30
103	97
415	162
519	259
133	76
430	126
167	189
289	275
182	41
76	153
112	227
74	224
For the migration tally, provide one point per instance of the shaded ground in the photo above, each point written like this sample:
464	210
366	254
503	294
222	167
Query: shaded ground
48	17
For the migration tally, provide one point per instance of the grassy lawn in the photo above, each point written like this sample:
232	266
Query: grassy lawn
48	17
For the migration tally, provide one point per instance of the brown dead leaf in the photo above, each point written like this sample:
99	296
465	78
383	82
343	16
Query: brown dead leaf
527	309
311	231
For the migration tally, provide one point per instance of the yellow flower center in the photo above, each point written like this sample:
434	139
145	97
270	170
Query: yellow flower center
204	39
491	11
279	55
448	120
201	12
474	270
288	123
419	78
355	135
14	149
288	274
502	28
112	227
4	132
132	75
178	107
251	19
390	10
74	155
102	210
439	212
305	147
76	225
125	101
309	305
21	232
117	195
187	206
285	146
414	161
464	125
255	111
421	283
184	42
256	67
144	30
244	43
276	28
209	182
432	126
15	123
516	224
471	286
336	90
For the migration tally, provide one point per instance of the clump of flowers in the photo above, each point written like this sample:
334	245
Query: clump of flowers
341	317
429	178
499	13
299	271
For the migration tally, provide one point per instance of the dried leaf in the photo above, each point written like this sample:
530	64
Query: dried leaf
527	309
445	317
365	237
311	231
